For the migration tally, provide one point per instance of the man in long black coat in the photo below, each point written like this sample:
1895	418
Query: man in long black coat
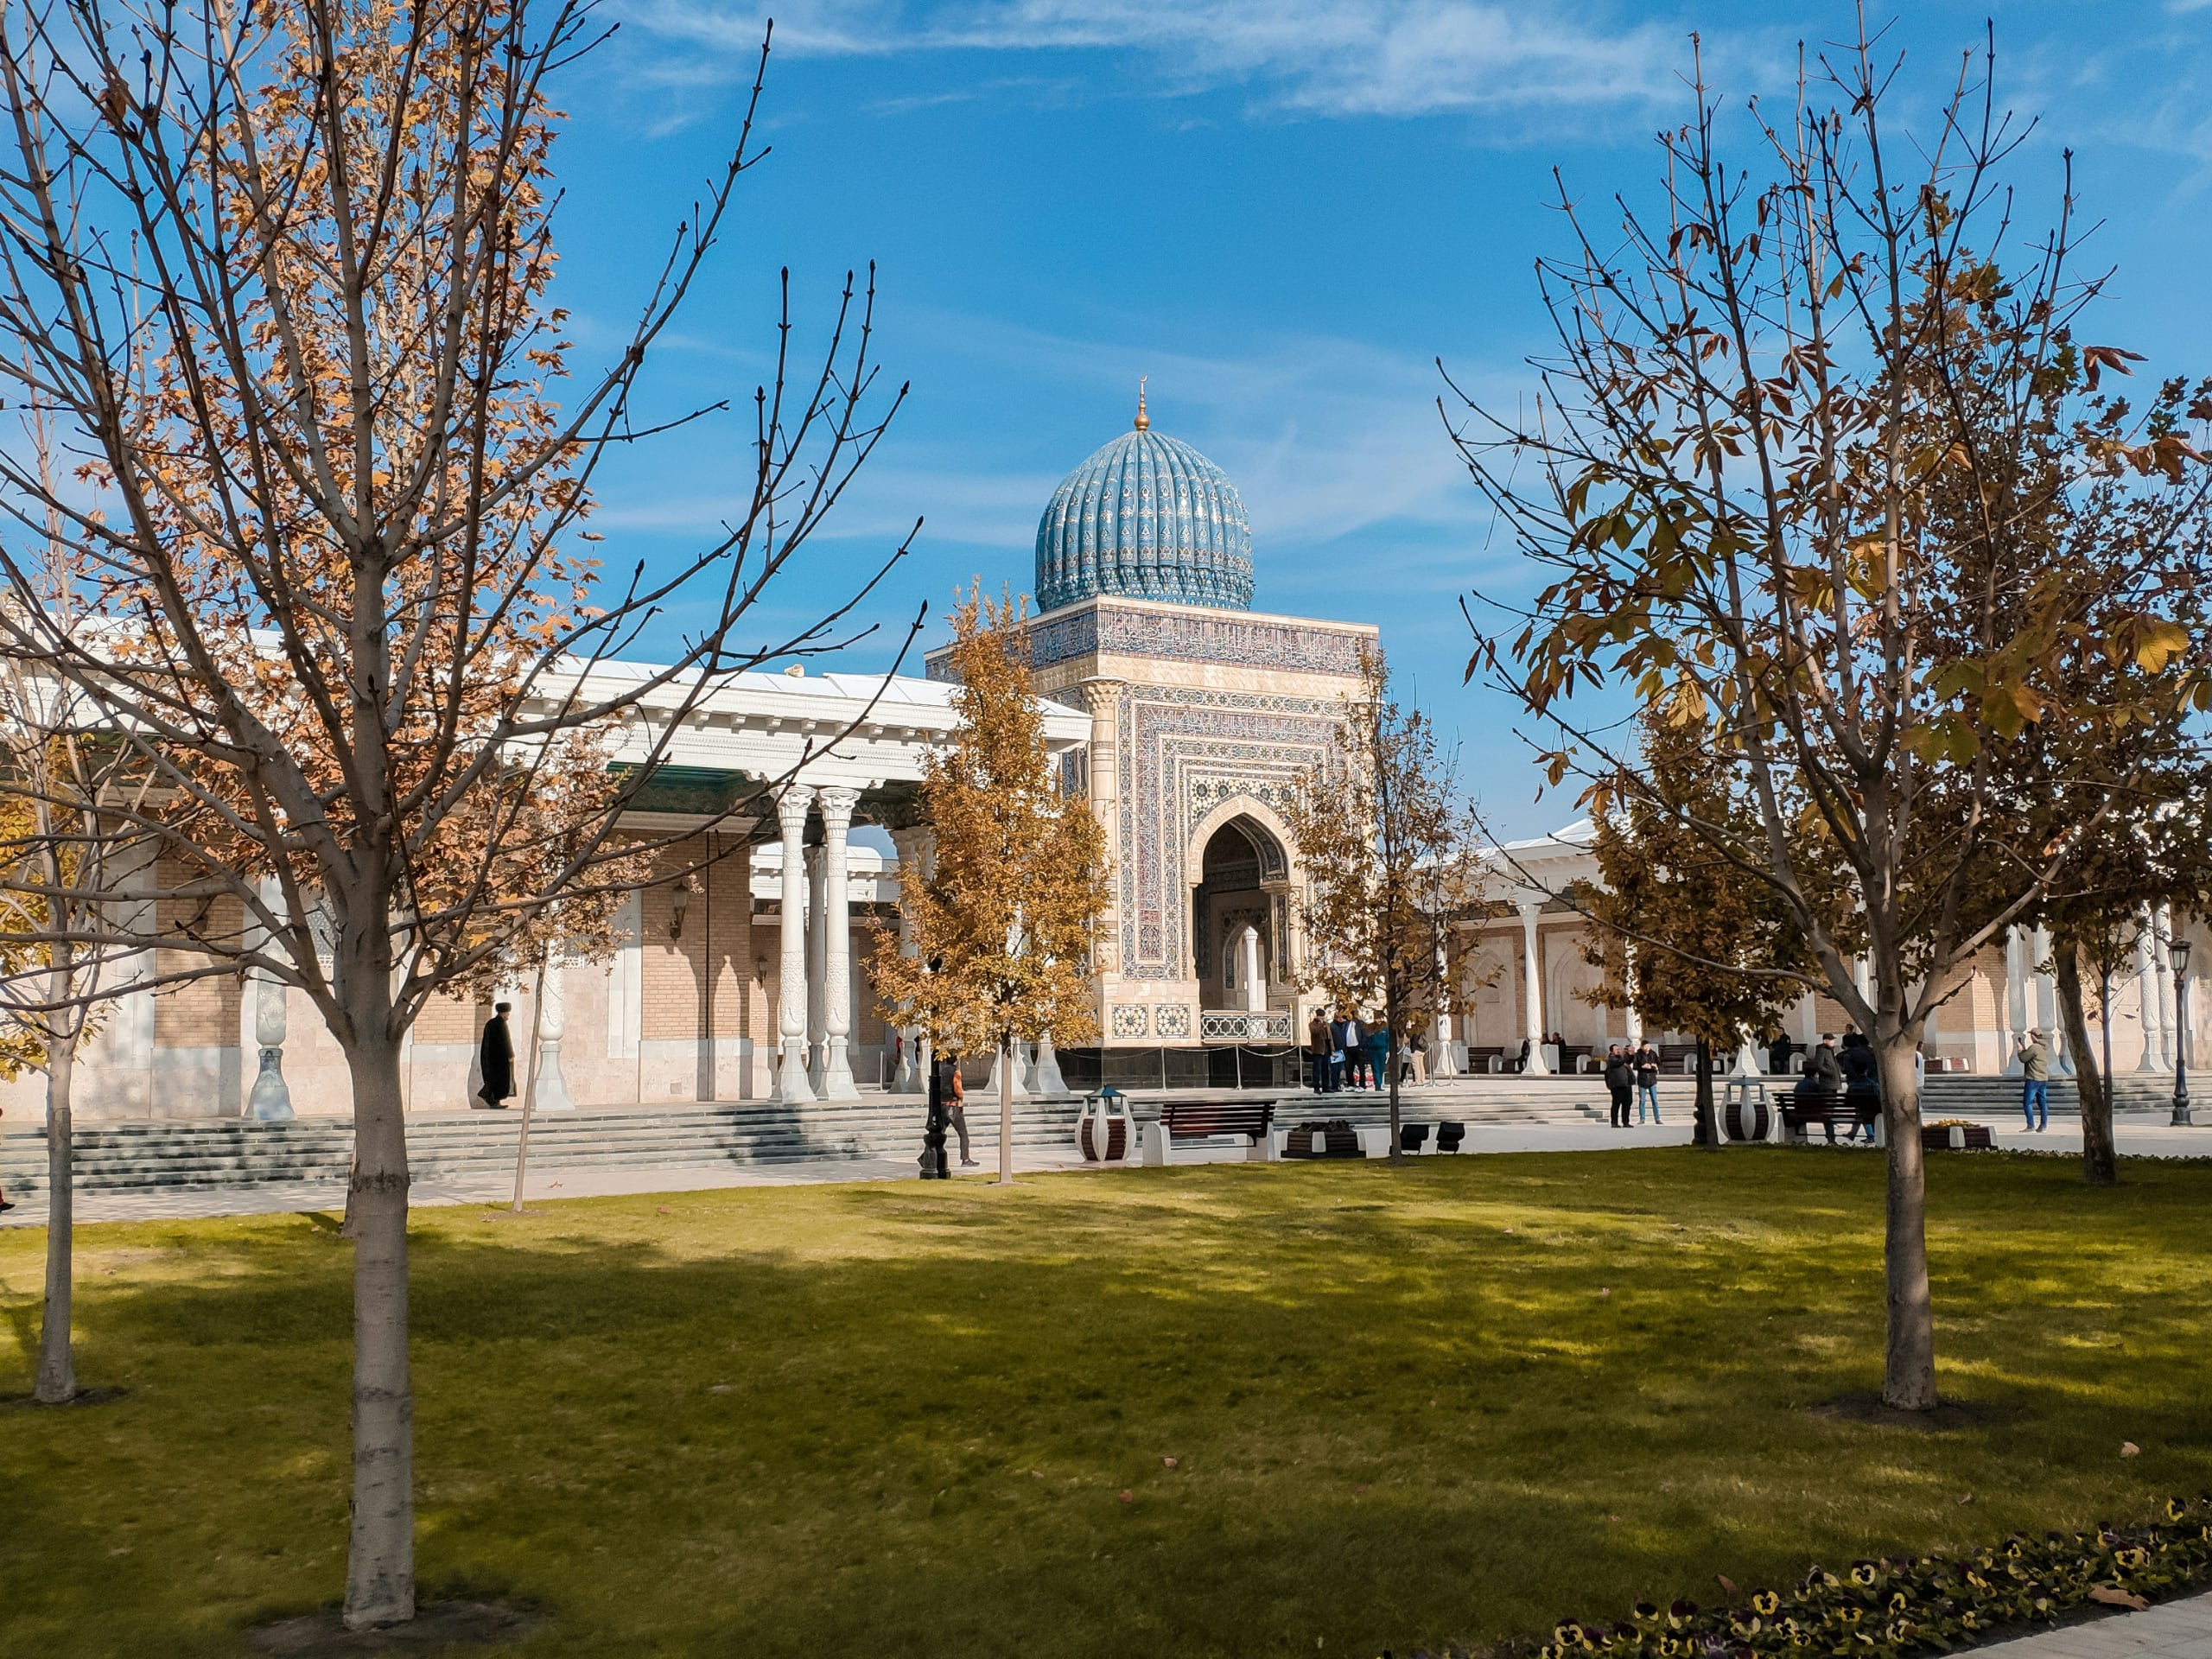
495	1059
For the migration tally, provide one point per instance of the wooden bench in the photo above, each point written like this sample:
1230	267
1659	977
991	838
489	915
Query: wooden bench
1198	1120
1826	1112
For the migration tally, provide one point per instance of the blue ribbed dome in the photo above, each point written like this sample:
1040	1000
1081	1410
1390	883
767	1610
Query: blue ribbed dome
1147	517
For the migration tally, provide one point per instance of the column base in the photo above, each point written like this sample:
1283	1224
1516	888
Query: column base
991	1088
270	1101
552	1094
837	1080
792	1085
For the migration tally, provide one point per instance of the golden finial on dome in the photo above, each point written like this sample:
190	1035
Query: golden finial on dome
1143	420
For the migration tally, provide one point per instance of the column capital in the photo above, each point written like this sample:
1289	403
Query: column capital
792	806
837	802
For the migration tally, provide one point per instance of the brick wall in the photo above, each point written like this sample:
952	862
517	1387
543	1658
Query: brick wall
203	1012
699	983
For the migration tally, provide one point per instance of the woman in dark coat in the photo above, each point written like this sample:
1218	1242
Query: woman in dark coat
1620	1083
1862	1083
495	1059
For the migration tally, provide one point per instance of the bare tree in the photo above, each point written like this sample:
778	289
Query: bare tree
281	277
1792	475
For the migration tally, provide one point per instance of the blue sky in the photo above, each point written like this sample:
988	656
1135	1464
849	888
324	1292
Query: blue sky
1283	211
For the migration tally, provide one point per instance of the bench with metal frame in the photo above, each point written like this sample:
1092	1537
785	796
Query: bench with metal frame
1201	1120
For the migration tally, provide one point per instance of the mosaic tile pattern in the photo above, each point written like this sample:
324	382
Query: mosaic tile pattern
1194	636
1176	740
1172	1020
1147	516
1131	1020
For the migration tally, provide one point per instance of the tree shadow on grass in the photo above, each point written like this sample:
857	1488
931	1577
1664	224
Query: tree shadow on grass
782	1420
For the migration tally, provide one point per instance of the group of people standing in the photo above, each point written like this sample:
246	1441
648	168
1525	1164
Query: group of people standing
1632	1071
1343	1053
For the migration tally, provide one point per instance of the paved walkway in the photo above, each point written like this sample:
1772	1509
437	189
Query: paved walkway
2174	1630
2137	1139
273	1197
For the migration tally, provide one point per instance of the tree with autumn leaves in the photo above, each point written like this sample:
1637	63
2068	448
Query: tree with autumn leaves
281	277
998	932
1678	933
1387	848
1793	477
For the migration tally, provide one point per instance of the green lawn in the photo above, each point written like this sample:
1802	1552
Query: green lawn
1450	1402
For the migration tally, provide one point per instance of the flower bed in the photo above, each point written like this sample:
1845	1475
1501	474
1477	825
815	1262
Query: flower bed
1916	1605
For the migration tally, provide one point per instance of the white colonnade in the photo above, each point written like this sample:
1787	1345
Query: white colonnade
814	1001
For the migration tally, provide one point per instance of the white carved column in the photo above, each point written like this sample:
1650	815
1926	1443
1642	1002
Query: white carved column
2146	988
2012	1014
1439	1035
837	1080
999	1057
912	848
791	1086
2186	1018
271	1101
1047	1070
2168	1023
552	1094
1532	984
817	953
2046	1002
1632	1024
1247	970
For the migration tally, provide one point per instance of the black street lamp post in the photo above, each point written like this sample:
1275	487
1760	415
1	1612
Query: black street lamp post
2178	949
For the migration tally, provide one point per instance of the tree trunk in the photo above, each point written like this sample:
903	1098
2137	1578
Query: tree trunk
1390	1062
1909	1370
1006	1108
57	1365
2099	1166
380	1560
1702	1134
529	1085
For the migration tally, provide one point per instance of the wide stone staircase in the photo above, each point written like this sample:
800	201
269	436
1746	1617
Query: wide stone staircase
456	1145
229	1153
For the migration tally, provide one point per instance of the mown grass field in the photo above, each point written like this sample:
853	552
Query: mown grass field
1444	1403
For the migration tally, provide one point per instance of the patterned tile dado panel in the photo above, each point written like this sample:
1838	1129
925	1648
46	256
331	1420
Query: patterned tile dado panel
1172	1020
1184	753
1131	1020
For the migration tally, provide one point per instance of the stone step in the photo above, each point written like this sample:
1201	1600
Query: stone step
110	1156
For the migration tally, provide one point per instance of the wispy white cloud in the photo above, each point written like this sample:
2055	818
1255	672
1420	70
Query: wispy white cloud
1322	57
1325	438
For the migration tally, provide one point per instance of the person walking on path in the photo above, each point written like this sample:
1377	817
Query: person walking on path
1620	1083
1862	1083
2035	1081
495	1059
1317	1049
1378	1055
4	1204
956	1099
1647	1082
